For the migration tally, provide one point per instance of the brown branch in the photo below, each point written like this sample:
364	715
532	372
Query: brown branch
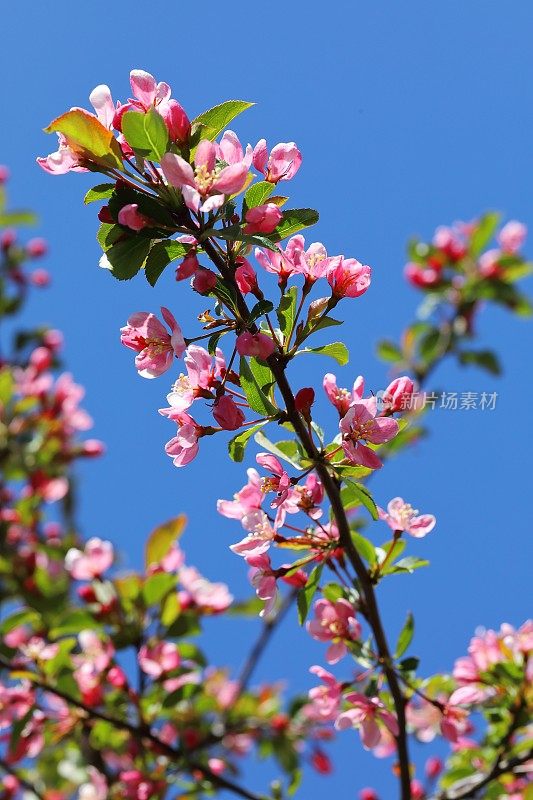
144	734
24	782
465	789
268	628
277	364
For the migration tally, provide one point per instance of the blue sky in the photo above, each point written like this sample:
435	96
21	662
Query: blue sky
408	115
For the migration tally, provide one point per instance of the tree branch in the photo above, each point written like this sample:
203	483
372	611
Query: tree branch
331	486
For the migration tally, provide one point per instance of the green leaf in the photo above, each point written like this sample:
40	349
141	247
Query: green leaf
17	218
406	636
306	594
409	664
336	350
485	230
430	345
157	586
261	307
485	359
294	220
127	257
215	119
280	450
162	538
89	139
258	194
7	386
388	351
237	445
23	616
235	234
332	591
146	133
100	192
365	548
359	492
254	393
171	609
160	255
286	311
108	234
408	564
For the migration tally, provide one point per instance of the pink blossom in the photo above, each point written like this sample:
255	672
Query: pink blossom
450	241
400	516
227	413
342	399
183	447
155	347
279	482
248	499
310	495
90	563
348	277
159	658
65	158
130	217
36	649
281	262
137	786
398	394
367	714
4	174
62	161
263	579
325	699
147	93
334	622
422	277
489	264
262	219
245	276
281	165
230	150
200	378
312	263
260	535
211	598
512	236
258	345
95	651
361	424
96	788
204	188
424	719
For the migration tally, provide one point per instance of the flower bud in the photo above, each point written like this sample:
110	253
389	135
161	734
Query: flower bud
434	767
303	401
204	280
262	219
177	122
255	344
245	276
227	413
36	248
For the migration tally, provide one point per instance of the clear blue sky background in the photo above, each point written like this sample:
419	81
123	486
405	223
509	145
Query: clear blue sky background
409	115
